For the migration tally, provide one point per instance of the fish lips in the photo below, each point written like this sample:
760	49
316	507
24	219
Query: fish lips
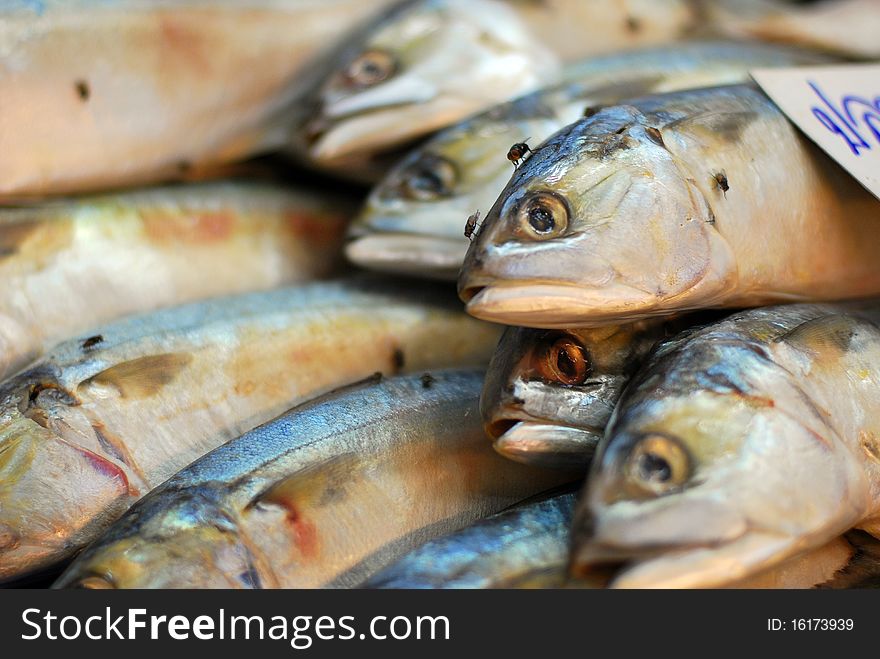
555	305
657	551
434	257
548	444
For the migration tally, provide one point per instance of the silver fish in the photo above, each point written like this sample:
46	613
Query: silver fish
412	220
99	94
324	495
102	419
495	552
686	200
549	394
431	63
71	264
738	446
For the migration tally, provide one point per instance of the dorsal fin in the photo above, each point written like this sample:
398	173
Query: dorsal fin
831	332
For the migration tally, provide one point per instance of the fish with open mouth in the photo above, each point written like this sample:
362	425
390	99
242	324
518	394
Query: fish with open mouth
737	446
430	63
412	220
549	393
324	495
678	201
102	419
71	264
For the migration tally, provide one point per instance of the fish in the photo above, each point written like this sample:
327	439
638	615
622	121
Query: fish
102	419
549	394
103	94
71	264
412	220
322	496
737	446
622	216
427	64
846	27
527	546
496	552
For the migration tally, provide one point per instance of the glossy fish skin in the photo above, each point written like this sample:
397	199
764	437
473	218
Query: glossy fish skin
100	94
412	221
738	446
431	63
322	496
71	264
848	27
660	206
549	394
104	418
491	553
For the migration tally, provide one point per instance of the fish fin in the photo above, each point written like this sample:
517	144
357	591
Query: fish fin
302	492
313	485
142	377
832	332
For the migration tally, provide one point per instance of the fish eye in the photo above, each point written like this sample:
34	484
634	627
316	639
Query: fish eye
565	361
428	178
371	68
95	583
657	464
542	216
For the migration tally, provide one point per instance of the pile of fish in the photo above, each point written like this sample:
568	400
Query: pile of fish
202	387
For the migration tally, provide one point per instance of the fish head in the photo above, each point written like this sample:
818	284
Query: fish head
548	394
425	66
600	225
716	466
413	221
171	539
54	489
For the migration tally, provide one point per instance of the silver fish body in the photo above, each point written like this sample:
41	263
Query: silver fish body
496	552
412	221
71	264
661	205
324	495
102	419
738	446
104	94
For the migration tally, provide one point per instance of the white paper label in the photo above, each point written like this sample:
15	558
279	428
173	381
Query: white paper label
838	107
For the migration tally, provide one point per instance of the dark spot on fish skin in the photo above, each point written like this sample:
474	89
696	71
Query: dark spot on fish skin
398	360
427	380
142	377
621	130
91	342
184	166
711	219
82	90
655	136
633	24
590	110
516	400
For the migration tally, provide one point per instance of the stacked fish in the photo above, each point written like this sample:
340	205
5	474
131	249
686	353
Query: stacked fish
199	393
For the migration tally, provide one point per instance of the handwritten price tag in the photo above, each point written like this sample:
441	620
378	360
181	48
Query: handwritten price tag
838	107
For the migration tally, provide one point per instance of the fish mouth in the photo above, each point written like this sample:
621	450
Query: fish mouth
698	565
544	444
557	305
434	257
